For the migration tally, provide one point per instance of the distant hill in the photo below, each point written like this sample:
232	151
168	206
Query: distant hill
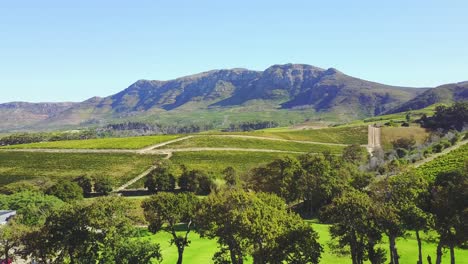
278	88
447	93
18	115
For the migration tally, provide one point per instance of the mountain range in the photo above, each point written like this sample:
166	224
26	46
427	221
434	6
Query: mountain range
289	87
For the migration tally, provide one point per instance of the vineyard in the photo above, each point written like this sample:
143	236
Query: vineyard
455	159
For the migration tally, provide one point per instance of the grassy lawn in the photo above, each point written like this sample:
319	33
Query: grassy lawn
201	250
390	134
252	143
341	135
100	143
15	166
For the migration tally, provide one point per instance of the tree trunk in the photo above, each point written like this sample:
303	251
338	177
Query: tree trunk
418	238
7	251
394	258
452	255
180	251
439	253
235	253
429	260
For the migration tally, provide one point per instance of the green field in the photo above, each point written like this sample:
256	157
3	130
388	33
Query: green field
214	162
455	159
251	143
16	166
100	143
340	135
201	250
397	117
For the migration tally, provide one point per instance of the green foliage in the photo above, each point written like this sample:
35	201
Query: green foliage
231	177
86	184
354	225
164	211
354	154
455	159
34	207
404	143
448	204
280	177
160	178
195	181
103	185
82	233
134	251
451	117
245	223
66	190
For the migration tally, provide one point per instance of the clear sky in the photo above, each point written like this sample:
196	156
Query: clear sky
73	50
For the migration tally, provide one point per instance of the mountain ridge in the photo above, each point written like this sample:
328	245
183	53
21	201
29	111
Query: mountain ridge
287	87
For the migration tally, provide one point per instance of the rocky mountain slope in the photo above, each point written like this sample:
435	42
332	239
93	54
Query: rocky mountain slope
280	87
447	93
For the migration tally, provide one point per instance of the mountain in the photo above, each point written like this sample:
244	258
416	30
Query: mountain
447	93
288	87
17	115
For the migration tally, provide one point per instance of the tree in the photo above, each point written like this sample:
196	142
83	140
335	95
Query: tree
320	182
404	143
354	225
168	212
279	177
86	184
33	207
135	251
354	154
103	185
160	178
81	233
195	181
230	176
398	200
246	223
449	200
10	238
66	190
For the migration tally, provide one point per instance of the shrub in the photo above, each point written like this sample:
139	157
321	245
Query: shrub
437	148
103	185
66	191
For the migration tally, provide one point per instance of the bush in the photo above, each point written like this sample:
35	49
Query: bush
66	191
437	148
427	152
401	152
404	143
160	179
86	184
195	181
445	143
103	185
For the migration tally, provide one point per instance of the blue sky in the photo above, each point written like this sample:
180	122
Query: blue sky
73	50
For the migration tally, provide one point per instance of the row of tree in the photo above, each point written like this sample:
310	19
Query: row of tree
48	231
24	138
244	223
250	125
